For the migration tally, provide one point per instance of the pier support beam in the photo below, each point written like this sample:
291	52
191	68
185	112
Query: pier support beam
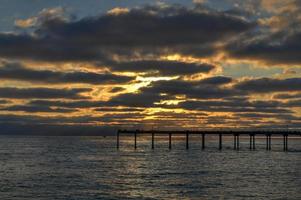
187	140
135	140
203	141
153	140
285	136
286	141
236	141
117	142
252	141
220	141
169	144
268	142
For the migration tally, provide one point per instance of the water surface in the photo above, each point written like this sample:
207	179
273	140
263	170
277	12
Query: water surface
48	168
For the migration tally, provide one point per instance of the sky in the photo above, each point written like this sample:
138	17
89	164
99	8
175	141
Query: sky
95	66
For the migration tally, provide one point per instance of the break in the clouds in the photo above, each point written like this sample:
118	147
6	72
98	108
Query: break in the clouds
156	64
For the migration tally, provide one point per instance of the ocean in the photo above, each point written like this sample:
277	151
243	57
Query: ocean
89	168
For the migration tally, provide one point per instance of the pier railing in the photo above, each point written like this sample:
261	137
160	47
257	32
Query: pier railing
235	133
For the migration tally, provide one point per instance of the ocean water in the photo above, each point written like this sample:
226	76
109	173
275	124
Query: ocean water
86	168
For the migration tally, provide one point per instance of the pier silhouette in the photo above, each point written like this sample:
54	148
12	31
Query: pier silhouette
235	133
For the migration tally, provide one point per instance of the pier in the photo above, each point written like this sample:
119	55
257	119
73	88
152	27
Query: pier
236	134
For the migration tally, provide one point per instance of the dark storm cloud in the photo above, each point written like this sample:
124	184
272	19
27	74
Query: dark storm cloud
216	80
294	103
231	99
233	106
112	109
203	89
165	68
67	104
282	48
10	128
34	109
3	101
287	96
141	99
117	89
34	125
263	85
15	71
34	119
63	120
172	28
42	93
281	116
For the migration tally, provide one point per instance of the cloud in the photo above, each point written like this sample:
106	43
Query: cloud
140	31
45	15
216	80
282	48
141	99
163	68
235	106
287	96
3	101
25	23
294	103
264	85
137	40
112	109
202	89
53	129
42	93
15	71
34	109
67	104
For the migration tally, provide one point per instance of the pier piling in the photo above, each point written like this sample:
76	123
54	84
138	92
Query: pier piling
220	141
135	140
203	141
285	136
169	145
268	142
187	140
253	141
117	140
234	142
153	140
